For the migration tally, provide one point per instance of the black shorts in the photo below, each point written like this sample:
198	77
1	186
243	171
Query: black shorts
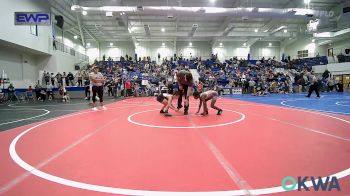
160	98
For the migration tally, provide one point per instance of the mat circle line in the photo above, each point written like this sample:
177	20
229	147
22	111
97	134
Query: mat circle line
340	103
183	127
113	190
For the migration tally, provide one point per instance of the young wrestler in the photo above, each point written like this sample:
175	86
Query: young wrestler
166	99
204	97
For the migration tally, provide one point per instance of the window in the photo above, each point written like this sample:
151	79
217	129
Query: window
34	30
303	53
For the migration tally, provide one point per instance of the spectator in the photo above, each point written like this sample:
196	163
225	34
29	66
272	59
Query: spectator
128	88
47	77
70	78
87	89
251	85
11	92
80	79
63	92
49	91
52	79
65	79
59	79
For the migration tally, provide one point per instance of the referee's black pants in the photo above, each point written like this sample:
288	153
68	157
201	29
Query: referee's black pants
314	87
99	91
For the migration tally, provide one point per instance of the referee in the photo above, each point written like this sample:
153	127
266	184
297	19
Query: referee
97	81
185	80
313	86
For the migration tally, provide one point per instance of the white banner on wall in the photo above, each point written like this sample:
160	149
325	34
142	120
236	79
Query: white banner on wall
236	91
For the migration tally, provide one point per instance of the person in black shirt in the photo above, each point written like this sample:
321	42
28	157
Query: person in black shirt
70	78
87	89
52	79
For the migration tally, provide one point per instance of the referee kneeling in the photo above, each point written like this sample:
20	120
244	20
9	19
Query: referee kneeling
97	80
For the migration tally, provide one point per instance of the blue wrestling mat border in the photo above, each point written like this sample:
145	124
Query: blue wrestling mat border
330	102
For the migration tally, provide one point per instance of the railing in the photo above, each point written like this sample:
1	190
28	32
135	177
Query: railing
66	49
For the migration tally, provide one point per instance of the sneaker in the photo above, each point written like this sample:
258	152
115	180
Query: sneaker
162	112
179	107
219	112
94	109
86	98
104	108
167	114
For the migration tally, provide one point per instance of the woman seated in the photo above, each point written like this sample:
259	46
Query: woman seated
63	93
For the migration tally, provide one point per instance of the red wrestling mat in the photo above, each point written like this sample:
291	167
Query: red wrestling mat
130	149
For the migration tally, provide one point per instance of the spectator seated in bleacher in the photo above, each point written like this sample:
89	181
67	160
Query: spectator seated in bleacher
29	93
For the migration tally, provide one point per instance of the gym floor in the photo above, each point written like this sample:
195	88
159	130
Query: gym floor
56	148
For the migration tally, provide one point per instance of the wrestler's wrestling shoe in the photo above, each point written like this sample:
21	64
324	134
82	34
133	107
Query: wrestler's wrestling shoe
219	112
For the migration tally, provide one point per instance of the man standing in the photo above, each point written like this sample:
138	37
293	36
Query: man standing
185	81
97	81
70	78
313	86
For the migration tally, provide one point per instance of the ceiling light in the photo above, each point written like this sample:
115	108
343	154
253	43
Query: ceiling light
123	13
190	43
84	13
109	14
75	37
162	29
220	44
118	8
163	44
285	31
212	1
313	40
250	9
307	1
270	44
111	44
266	31
74	7
256	30
302	12
214	10
244	44
120	13
88	44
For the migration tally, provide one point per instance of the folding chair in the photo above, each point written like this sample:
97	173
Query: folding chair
30	96
20	96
